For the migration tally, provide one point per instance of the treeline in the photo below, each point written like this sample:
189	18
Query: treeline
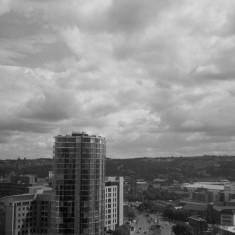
160	194
176	214
182	169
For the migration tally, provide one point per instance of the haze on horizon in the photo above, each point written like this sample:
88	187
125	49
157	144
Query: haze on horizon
156	78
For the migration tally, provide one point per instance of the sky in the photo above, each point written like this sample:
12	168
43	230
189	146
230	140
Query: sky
156	78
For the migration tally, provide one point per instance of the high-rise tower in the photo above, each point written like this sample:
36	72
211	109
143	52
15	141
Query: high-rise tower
78	205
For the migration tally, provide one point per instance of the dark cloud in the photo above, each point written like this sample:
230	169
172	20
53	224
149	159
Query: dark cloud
53	107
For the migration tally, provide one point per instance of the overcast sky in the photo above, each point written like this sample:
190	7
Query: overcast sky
155	77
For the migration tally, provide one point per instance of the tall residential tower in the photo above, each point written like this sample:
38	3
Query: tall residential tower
78	205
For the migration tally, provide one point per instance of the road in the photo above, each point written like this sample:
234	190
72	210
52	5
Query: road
143	225
166	228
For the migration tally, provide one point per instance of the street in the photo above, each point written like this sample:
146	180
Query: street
144	223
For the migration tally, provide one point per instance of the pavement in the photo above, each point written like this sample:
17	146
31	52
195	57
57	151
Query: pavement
144	223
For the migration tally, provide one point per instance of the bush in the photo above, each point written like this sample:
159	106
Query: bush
182	229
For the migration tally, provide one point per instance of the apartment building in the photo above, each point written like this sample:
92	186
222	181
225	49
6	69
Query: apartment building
113	202
79	184
25	214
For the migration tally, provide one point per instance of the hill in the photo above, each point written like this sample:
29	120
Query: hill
182	169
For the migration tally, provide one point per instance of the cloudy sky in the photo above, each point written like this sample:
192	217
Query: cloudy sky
155	77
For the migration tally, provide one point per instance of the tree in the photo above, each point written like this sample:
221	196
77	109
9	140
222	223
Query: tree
131	214
122	230
182	229
169	211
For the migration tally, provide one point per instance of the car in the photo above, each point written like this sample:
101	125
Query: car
140	228
138	231
145	232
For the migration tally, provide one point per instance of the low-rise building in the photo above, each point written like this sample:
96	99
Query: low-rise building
23	179
196	209
219	212
198	224
227	217
8	189
225	230
205	191
229	191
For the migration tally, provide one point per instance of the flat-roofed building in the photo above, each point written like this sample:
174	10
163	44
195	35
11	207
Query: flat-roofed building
25	214
2	218
8	189
229	191
113	202
198	224
205	191
196	209
24	179
225	230
227	217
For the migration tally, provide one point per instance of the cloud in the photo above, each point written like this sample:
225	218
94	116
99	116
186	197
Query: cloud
5	6
156	78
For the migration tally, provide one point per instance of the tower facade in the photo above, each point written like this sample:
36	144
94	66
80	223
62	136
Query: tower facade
78	205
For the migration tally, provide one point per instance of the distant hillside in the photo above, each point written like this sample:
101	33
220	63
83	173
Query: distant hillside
182	168
174	168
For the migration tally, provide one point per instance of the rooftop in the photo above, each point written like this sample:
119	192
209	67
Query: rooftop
83	134
228	228
204	185
195	207
197	218
220	208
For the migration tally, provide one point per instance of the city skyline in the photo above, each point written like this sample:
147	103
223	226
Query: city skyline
156	78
